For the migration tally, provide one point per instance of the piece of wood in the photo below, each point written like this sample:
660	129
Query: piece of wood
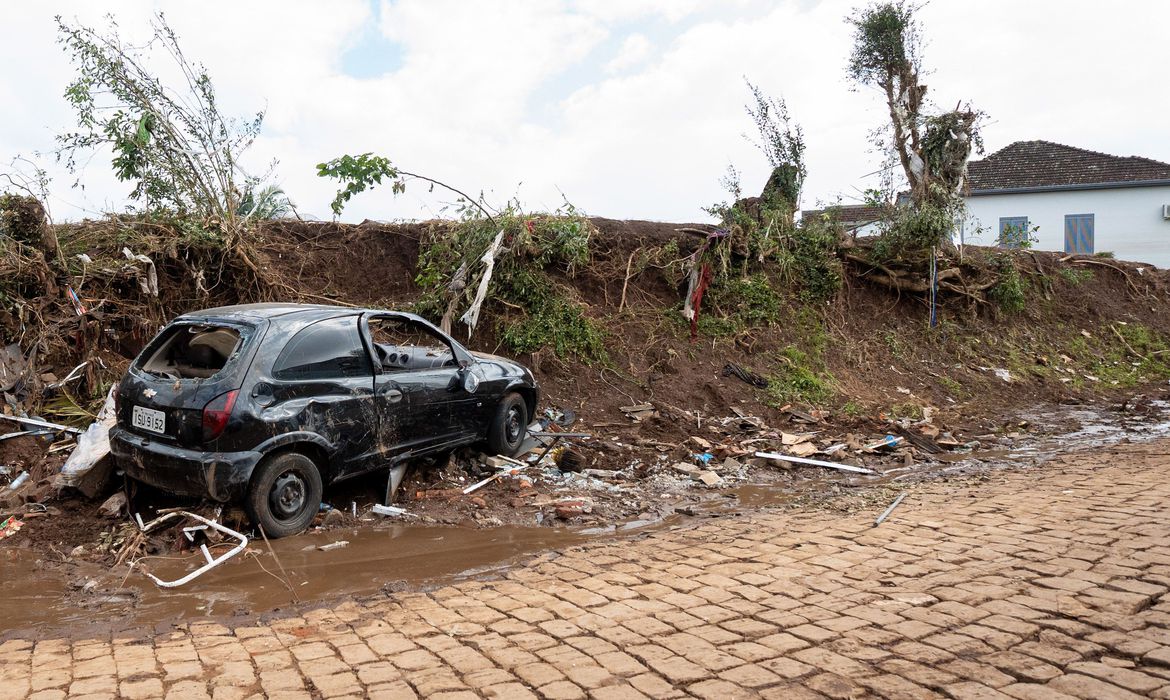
814	462
626	283
638	408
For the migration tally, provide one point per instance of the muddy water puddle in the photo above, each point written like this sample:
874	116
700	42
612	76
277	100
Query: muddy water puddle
38	600
42	596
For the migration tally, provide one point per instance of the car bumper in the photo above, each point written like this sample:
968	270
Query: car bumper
221	476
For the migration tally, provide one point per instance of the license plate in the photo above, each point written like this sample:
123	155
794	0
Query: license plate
149	419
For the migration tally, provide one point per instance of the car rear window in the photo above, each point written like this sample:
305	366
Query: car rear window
322	350
193	351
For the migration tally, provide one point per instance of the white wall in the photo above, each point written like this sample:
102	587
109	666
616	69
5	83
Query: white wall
871	229
1128	222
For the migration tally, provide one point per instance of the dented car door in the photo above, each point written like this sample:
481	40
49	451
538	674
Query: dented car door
417	383
323	383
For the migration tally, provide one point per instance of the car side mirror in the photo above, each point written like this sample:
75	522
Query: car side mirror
470	379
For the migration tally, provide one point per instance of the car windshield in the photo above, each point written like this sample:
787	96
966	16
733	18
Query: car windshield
403	344
193	351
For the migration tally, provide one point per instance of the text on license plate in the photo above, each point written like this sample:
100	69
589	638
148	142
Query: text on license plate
149	419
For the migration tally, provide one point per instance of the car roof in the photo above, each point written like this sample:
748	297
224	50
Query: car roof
282	311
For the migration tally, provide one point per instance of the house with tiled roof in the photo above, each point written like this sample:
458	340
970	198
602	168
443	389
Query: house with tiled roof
858	219
1072	200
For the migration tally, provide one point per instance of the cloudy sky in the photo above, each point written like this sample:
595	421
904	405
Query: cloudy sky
627	108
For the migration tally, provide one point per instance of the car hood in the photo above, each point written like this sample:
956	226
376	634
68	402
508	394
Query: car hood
489	356
504	365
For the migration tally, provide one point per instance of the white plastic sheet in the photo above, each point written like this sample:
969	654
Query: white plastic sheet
93	446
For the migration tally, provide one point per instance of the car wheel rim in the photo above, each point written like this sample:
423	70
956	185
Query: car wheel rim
288	495
513	425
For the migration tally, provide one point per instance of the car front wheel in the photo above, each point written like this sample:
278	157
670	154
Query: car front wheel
509	426
285	494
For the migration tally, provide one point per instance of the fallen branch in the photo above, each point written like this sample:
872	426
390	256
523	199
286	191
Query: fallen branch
626	283
1129	347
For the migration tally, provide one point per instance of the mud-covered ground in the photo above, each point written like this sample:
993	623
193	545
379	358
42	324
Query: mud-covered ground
72	566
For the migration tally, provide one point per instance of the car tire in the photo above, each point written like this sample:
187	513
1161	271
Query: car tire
509	426
285	494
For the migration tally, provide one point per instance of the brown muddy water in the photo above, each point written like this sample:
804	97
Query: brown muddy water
42	596
37	600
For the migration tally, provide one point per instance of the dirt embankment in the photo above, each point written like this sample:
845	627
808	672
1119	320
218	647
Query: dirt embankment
873	352
864	347
1088	326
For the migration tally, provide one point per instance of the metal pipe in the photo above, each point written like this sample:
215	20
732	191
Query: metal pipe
889	510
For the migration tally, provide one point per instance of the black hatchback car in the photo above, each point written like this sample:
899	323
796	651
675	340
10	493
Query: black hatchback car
266	403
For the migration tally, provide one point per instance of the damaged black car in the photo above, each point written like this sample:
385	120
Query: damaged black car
265	404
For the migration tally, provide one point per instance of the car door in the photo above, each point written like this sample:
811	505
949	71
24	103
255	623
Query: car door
418	384
323	384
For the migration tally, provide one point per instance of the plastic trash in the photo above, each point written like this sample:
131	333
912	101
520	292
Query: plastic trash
18	481
887	441
93	446
10	526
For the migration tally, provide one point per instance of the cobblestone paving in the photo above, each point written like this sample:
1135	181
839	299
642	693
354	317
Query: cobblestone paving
1047	584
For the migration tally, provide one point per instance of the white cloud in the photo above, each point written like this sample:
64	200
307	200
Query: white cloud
632	109
634	50
630	10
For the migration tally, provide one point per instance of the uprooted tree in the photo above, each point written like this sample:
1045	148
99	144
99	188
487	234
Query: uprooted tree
172	142
932	149
97	285
757	235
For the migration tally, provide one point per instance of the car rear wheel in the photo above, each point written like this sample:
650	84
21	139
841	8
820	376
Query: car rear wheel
509	426
285	494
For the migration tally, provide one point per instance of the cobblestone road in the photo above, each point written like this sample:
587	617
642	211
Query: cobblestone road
1046	584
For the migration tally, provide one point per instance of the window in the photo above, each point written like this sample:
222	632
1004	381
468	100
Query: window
193	351
1078	233
1013	232
324	350
402	345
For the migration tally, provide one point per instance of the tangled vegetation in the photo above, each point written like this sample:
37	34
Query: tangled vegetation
534	312
757	245
181	153
1008	292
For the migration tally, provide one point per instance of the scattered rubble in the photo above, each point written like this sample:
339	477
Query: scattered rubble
664	462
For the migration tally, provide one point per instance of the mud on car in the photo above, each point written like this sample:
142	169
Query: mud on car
264	404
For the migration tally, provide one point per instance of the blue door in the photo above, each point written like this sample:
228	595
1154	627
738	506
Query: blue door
1078	233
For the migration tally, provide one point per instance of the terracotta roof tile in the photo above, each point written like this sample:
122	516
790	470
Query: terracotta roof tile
849	215
1026	164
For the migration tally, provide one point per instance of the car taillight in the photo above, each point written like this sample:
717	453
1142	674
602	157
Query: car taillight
216	414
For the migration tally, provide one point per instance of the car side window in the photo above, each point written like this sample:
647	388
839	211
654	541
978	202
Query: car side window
403	345
324	350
